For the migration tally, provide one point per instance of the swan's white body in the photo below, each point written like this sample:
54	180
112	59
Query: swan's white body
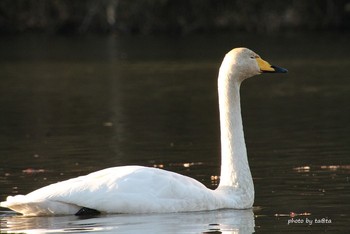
128	189
135	189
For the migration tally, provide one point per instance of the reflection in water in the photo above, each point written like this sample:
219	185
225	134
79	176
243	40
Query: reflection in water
221	221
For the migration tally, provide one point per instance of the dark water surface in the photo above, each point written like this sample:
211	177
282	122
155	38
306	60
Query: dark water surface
70	106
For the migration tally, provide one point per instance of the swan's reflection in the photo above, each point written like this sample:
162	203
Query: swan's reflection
220	221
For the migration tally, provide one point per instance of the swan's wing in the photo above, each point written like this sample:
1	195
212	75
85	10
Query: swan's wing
130	189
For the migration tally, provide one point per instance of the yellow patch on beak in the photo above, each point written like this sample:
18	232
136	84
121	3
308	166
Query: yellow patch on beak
264	66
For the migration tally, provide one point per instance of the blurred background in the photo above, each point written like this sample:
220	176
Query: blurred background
169	16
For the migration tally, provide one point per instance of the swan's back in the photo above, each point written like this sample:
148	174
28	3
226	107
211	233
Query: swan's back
129	189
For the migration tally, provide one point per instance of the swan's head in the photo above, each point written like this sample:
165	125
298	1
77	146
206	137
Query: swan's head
242	63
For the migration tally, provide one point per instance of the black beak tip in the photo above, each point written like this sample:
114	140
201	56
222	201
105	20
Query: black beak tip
279	69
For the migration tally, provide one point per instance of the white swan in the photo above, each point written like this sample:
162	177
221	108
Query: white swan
136	189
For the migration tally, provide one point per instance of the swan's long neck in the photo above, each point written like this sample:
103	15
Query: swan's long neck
235	172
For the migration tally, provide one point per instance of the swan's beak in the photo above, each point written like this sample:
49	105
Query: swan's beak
265	67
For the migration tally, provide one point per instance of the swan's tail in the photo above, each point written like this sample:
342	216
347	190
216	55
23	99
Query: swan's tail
23	205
